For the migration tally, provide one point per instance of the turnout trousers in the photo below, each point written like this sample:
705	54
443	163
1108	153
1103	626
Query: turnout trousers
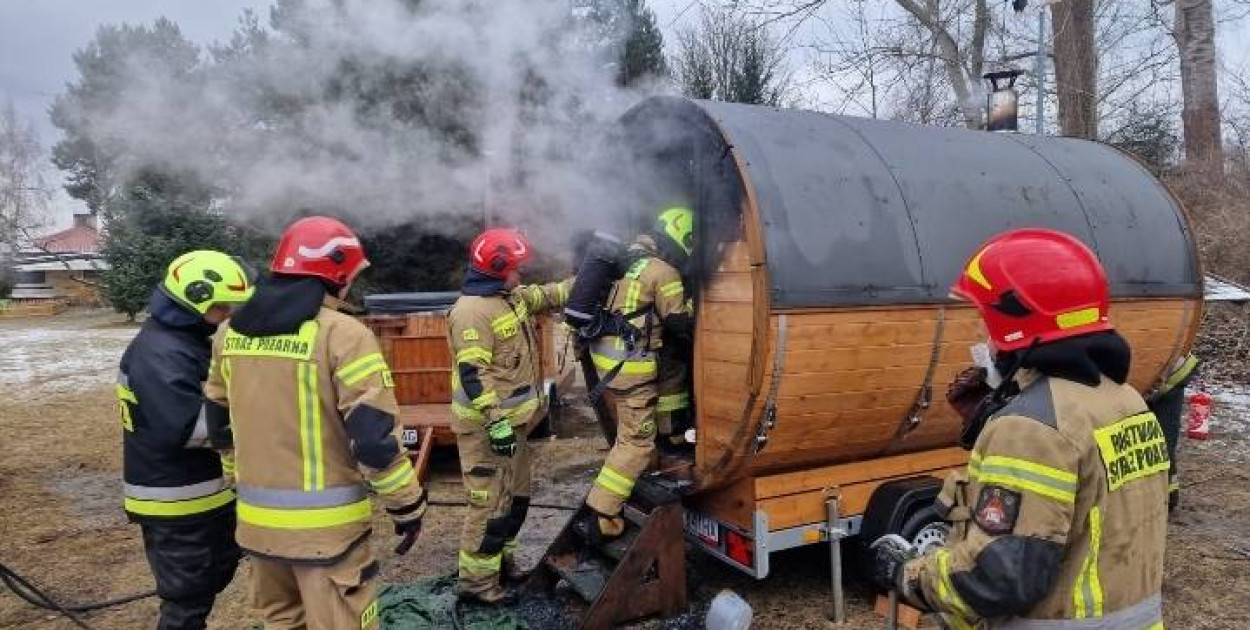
301	596
192	562
633	451
498	494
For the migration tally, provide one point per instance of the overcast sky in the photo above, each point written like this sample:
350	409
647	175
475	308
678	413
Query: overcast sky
38	37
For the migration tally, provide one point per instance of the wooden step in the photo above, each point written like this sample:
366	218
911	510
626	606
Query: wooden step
617	547
587	578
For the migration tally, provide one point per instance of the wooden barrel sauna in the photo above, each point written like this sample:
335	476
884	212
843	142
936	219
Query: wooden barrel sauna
826	247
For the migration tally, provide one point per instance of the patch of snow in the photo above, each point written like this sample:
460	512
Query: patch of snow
41	361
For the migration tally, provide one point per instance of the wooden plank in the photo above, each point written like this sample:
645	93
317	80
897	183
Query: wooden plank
734	504
1147	304
725	316
724	374
427	325
425	448
870	398
851	440
430	415
1132	320
735	256
412	352
856	334
846	474
871	357
423	388
814	383
809	507
729	287
868	315
726	346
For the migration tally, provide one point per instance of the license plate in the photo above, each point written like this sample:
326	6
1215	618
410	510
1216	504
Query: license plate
411	437
705	528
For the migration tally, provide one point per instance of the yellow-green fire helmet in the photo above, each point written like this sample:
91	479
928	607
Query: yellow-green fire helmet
202	278
678	225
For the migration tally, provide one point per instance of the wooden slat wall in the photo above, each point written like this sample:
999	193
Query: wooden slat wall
852	376
415	347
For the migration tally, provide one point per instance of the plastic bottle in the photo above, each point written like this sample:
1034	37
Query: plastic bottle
728	612
1199	425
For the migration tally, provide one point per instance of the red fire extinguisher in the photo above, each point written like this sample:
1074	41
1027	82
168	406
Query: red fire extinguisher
1198	426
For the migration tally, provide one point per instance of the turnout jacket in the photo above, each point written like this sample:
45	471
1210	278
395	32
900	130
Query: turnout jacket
495	345
311	417
170	474
1060	518
652	292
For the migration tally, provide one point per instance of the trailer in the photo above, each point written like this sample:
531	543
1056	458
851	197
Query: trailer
825	336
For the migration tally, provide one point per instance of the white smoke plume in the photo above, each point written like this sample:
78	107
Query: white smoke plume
542	161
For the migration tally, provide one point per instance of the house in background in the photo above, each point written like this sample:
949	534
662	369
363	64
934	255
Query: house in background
62	267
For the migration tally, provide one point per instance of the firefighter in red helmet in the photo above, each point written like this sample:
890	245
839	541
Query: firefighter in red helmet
1059	519
302	395
497	395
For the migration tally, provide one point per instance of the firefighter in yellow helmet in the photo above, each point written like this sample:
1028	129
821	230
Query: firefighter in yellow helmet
652	298
1059	520
496	394
175	487
302	394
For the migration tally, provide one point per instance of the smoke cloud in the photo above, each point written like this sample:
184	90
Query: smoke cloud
390	110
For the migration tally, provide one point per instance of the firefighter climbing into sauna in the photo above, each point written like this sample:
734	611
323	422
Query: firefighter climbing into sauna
497	395
645	309
176	487
301	394
1060	517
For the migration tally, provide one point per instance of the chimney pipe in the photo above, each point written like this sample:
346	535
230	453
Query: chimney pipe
1002	101
85	219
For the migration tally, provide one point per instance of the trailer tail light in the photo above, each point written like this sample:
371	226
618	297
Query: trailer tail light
739	548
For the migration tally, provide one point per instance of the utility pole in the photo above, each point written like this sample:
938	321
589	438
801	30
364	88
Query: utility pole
1039	71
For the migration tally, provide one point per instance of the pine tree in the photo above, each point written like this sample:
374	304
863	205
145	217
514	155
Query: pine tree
643	53
151	221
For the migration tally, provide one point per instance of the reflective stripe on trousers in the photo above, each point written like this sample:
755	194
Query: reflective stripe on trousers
187	500
296	509
1145	615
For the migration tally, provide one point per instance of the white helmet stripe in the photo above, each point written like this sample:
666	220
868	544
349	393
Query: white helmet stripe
330	245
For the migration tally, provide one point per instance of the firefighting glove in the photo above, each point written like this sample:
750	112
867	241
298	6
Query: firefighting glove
502	438
407	520
967	391
890	553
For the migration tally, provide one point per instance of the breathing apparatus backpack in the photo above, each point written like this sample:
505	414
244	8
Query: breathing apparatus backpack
605	261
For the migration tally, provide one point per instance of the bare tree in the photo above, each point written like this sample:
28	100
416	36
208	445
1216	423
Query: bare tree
963	63
729	58
24	192
1076	67
1194	31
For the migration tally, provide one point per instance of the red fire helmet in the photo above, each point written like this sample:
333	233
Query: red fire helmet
320	247
499	251
1036	285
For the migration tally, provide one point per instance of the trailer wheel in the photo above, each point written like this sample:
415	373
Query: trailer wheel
925	530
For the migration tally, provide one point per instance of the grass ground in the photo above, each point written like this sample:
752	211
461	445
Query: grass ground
61	523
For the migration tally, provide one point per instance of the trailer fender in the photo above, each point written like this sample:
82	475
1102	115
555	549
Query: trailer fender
896	507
